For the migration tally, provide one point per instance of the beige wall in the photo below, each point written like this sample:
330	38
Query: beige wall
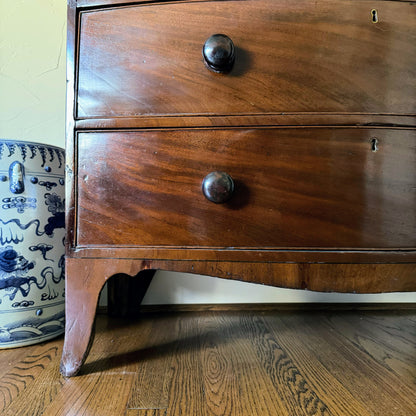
32	107
32	70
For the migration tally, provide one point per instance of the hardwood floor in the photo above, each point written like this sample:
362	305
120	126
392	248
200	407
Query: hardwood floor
247	362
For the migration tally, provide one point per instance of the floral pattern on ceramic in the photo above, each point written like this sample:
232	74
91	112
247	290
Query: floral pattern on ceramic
32	252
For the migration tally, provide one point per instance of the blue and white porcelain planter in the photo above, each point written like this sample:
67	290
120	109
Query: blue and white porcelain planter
32	229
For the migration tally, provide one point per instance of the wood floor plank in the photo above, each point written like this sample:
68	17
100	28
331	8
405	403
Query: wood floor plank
253	393
117	345
22	379
337	398
78	396
389	338
186	395
10	357
292	387
389	389
359	373
45	383
219	372
149	412
154	373
254	363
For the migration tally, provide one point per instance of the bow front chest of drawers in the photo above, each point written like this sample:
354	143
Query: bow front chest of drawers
269	141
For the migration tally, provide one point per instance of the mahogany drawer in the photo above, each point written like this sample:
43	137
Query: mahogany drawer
301	56
294	187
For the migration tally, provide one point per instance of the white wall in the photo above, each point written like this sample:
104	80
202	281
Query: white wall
184	288
32	107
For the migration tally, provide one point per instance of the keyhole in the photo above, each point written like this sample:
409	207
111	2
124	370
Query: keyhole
374	145
374	16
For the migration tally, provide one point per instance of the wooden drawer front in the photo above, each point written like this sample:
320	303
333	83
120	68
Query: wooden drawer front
315	187
291	56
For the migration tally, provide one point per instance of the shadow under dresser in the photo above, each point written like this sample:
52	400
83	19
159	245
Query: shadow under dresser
270	141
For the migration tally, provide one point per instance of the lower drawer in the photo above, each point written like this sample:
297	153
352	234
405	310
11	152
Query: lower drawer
294	188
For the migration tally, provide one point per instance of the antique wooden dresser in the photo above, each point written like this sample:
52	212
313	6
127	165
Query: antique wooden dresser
270	141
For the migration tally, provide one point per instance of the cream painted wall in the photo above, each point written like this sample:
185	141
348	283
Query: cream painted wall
32	70
32	107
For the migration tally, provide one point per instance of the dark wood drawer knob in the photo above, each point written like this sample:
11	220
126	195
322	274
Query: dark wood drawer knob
218	187
219	53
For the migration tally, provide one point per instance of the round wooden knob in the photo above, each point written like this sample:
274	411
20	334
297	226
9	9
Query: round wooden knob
218	187
219	53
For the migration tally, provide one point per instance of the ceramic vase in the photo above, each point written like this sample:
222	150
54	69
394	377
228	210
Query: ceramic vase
32	229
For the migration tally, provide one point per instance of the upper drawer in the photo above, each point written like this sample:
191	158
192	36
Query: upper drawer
290	56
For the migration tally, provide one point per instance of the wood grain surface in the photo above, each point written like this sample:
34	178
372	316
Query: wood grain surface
268	362
290	57
327	188
328	204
